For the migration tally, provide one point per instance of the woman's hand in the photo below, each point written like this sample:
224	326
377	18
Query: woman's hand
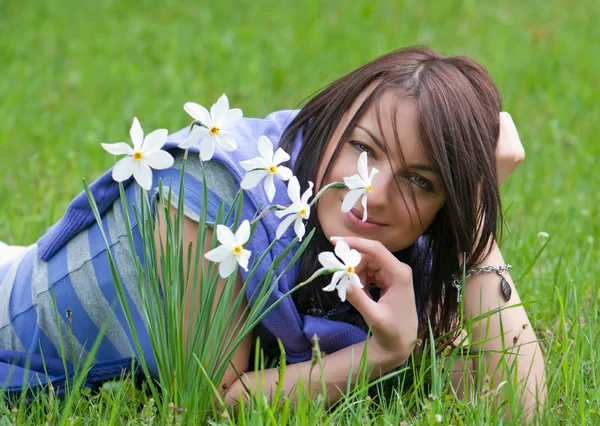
509	150
393	318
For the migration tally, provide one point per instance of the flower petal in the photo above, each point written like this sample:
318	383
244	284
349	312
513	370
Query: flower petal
280	156
207	148
353	258
137	134
329	261
354	182
197	133
142	175
288	210
350	199
294	190
155	140
252	178
228	266
218	254
219	108
355	281
198	112
341	250
283	173
243	258
299	228
158	160
269	187
363	172
242	235
337	276
284	225
364	204
225	236
341	288
118	148
374	172
254	163
307	194
226	141
265	147
123	169
229	119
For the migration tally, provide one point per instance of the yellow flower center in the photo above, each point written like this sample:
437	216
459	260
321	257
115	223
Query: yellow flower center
350	269
237	250
137	155
369	188
303	212
214	130
273	170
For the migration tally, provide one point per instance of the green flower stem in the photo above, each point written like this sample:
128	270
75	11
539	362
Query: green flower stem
325	189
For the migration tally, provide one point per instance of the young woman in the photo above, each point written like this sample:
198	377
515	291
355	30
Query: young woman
433	128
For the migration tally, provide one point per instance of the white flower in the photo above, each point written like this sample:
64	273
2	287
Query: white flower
145	155
345	269
438	418
543	234
217	122
360	185
231	250
298	211
265	166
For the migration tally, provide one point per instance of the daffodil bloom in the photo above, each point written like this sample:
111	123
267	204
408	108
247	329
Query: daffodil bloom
215	127
298	211
231	251
360	185
145	155
267	166
345	269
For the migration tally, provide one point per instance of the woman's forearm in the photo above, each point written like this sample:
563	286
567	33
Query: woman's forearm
334	370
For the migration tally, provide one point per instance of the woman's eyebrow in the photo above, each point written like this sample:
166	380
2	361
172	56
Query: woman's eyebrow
420	166
377	141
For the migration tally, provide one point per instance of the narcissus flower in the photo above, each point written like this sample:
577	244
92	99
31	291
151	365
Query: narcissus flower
345	269
215	127
360	185
231	251
298	211
145	155
267	166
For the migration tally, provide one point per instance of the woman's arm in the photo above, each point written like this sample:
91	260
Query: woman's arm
241	357
505	332
334	371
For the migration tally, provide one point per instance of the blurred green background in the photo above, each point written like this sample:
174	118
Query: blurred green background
73	74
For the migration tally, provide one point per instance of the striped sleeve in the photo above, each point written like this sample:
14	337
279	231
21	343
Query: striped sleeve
221	185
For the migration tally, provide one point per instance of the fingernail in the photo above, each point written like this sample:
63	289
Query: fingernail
336	238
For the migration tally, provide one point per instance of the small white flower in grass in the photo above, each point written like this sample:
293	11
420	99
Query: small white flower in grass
265	166
217	125
298	211
145	155
231	251
350	258
543	234
360	185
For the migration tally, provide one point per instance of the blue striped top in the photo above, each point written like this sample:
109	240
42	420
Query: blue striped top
79	277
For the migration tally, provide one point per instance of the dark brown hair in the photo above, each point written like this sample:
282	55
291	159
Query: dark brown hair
459	108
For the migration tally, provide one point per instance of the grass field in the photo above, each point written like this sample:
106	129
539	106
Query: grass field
74	75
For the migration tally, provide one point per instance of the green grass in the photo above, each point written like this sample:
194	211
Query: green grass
74	75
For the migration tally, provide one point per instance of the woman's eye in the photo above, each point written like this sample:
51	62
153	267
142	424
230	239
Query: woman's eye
361	147
421	182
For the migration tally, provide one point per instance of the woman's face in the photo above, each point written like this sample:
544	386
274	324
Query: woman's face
395	217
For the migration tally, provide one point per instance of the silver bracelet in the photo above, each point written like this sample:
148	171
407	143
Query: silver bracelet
457	280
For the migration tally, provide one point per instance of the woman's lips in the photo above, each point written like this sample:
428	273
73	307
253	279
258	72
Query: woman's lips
356	220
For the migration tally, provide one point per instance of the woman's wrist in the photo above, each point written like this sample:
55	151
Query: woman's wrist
383	359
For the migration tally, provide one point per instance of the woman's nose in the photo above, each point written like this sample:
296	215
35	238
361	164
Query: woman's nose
383	183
